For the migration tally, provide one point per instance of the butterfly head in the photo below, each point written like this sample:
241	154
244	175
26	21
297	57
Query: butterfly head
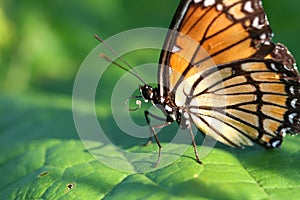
147	92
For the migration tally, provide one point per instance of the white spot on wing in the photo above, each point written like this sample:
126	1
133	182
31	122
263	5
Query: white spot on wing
273	67
175	49
284	131
275	143
287	68
294	102
219	7
292	90
291	117
170	71
248	7
255	23
209	2
197	1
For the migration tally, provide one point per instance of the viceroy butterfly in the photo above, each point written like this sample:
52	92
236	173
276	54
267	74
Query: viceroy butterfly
257	79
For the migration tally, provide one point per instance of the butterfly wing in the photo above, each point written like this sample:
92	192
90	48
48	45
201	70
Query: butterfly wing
254	100
234	83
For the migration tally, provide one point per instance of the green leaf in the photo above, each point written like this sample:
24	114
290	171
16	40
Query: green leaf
42	157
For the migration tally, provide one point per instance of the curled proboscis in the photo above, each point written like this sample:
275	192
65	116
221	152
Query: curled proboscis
138	103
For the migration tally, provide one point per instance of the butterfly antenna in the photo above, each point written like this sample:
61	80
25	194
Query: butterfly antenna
117	64
133	72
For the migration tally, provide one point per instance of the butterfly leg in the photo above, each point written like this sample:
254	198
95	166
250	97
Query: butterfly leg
194	145
147	116
152	129
157	141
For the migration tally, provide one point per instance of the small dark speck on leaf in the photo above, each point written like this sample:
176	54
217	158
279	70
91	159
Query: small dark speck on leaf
70	186
43	174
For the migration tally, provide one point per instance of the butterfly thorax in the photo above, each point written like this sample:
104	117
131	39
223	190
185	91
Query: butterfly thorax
166	102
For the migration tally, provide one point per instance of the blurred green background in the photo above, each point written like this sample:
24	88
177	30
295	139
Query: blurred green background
44	42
